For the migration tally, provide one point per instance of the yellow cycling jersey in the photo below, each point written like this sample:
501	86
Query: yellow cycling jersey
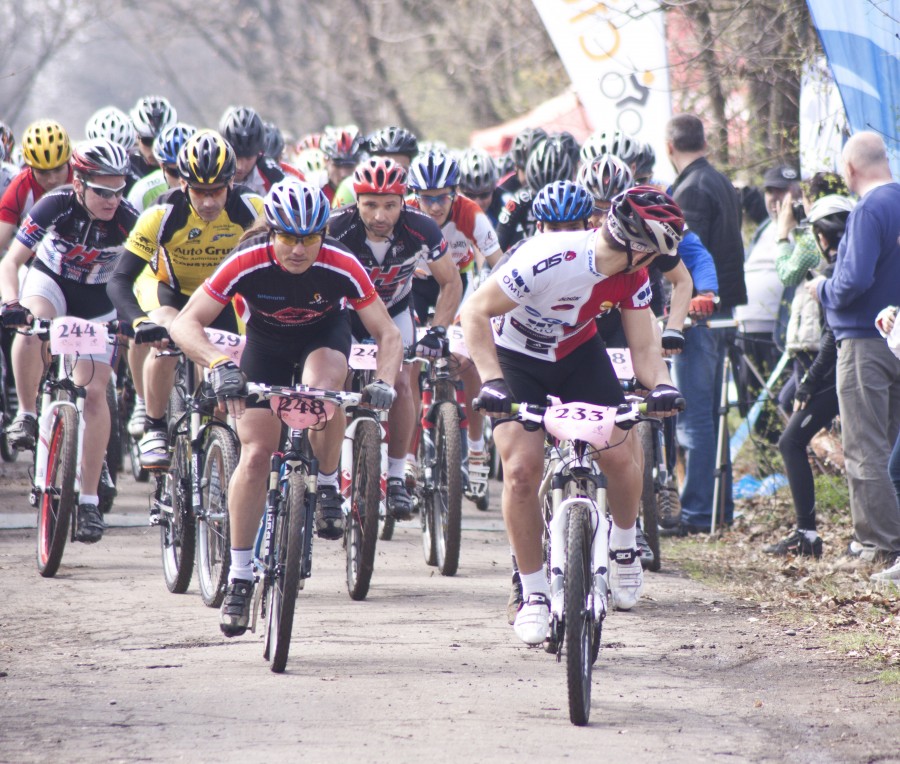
181	248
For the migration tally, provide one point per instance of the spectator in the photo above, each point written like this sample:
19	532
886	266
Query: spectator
713	211
866	274
815	401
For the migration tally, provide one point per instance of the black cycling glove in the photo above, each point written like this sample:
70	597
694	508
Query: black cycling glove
379	395
146	332
664	399
434	343
495	397
672	339
13	313
228	381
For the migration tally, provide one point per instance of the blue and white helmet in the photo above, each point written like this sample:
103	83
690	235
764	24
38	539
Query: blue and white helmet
562	202
434	169
296	208
170	140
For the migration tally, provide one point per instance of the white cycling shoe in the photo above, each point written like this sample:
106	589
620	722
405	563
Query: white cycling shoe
532	624
626	578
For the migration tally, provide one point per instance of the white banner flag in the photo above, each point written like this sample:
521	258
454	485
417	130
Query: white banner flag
615	54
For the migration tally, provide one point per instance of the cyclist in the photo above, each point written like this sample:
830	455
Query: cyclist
478	181
434	179
150	116
76	235
396	143
540	350
46	151
183	237
550	160
390	239
166	146
243	128
522	146
343	148
8	170
297	283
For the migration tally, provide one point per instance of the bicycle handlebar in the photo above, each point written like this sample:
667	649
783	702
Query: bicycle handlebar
338	397
40	328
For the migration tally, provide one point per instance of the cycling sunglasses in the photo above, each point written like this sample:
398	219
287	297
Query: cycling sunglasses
105	192
309	240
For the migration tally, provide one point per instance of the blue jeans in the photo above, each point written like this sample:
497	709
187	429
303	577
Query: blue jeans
698	374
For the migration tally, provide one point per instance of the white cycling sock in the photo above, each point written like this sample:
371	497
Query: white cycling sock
810	535
22	412
535	583
241	564
396	467
411	458
476	445
622	538
138	401
327	478
86	498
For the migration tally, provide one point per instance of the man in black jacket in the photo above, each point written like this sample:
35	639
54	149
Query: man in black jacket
712	210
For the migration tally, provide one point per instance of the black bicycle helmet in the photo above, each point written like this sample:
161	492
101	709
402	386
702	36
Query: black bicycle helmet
274	143
477	172
243	128
524	143
393	140
549	161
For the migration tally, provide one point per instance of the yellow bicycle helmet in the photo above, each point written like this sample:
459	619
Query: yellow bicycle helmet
45	145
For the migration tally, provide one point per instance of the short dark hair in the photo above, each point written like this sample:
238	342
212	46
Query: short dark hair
685	133
824	183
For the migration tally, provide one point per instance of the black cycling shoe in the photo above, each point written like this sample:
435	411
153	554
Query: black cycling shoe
644	550
235	615
796	545
90	525
329	515
399	502
22	432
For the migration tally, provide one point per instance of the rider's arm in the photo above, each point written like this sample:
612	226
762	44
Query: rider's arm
646	351
682	291
447	276
485	303
7	231
187	328
16	256
121	287
384	331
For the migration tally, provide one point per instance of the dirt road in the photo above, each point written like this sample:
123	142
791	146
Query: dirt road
101	663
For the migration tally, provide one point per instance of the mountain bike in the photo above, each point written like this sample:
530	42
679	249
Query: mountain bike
282	555
576	532
440	453
190	504
56	483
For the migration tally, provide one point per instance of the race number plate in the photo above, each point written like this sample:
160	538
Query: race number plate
300	413
75	335
457	341
584	421
621	361
230	344
363	356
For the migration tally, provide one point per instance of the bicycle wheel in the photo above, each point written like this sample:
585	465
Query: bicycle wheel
447	514
361	530
287	548
579	629
425	488
649	507
178	528
114	445
129	443
6	414
213	534
57	503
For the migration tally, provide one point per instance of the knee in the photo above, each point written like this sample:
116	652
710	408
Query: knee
521	478
254	460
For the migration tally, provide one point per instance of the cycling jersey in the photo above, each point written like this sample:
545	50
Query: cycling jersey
181	247
558	290
415	236
69	243
281	303
7	173
147	190
20	196
466	225
343	195
267	172
516	221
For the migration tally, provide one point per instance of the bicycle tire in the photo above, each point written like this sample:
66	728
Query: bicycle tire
213	527
361	530
579	629
447	515
649	504
58	501
288	540
387	525
178	531
7	453
426	498
114	444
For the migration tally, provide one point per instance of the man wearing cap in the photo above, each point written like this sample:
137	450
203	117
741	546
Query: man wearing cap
759	316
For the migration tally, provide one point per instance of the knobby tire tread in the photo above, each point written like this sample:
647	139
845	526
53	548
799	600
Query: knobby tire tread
53	528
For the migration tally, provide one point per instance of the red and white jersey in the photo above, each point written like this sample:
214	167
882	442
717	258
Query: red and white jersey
20	196
466	226
559	292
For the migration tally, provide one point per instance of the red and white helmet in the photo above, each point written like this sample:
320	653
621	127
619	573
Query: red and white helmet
379	175
646	219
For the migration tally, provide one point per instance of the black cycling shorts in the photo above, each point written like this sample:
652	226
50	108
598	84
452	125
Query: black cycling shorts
226	321
271	361
586	375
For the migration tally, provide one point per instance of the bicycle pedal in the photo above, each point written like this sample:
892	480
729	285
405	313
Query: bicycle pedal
34	497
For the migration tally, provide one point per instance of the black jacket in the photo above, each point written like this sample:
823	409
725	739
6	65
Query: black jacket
712	209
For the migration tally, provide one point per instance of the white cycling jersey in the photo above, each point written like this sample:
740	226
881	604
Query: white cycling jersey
559	291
